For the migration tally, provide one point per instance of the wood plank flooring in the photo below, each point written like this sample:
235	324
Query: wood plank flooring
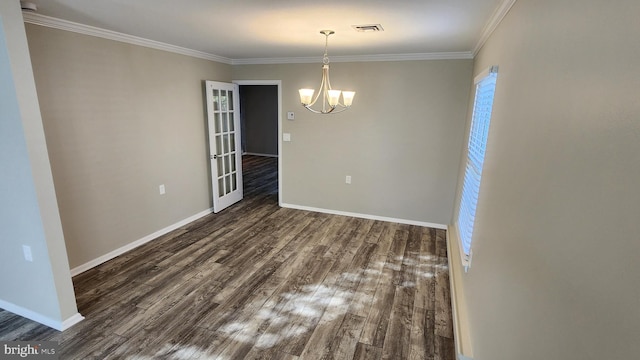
261	282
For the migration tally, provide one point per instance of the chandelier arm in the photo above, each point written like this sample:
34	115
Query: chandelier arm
315	98
322	92
326	86
325	72
337	110
331	110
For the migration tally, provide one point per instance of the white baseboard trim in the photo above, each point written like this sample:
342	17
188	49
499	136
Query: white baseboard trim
364	216
121	250
259	154
71	321
39	318
457	331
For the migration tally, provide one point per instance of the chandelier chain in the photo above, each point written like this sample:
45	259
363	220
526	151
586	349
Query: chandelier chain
325	58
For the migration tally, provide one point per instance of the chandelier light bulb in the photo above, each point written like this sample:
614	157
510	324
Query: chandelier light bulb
347	97
306	95
334	97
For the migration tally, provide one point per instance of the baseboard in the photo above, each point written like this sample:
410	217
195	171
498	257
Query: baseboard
364	216
259	154
457	330
71	321
39	318
119	251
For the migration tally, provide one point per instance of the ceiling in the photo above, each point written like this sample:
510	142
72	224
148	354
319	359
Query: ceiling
258	29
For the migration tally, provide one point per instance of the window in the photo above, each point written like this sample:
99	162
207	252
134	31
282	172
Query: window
483	103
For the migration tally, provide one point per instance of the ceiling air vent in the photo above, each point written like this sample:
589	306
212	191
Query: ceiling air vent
367	28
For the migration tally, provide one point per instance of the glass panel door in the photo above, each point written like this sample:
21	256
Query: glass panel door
224	143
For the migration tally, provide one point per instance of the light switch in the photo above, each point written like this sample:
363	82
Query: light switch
291	115
26	249
286	137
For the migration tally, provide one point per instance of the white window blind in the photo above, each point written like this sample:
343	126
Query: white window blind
480	120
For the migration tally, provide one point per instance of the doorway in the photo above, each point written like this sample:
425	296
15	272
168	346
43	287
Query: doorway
261	121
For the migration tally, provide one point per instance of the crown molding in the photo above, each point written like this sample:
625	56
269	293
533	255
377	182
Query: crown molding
357	58
495	20
55	23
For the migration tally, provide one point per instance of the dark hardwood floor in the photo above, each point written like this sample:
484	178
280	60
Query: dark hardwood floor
257	281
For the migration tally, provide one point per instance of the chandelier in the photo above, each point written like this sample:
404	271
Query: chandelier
330	97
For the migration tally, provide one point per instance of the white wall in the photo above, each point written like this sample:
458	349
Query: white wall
554	272
42	289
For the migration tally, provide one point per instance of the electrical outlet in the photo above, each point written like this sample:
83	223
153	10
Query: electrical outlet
162	190
291	115
286	137
347	179
26	249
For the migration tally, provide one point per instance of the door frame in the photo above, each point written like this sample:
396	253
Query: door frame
278	84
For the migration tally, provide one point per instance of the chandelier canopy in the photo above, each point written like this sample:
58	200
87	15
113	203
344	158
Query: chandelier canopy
330	98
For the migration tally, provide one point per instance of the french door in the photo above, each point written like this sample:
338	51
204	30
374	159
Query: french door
223	118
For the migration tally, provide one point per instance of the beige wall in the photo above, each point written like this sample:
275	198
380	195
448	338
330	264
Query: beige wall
400	142
40	289
554	272
120	120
